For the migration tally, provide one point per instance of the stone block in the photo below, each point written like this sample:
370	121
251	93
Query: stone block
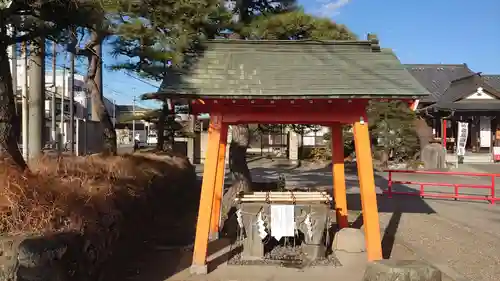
314	246
401	270
41	251
198	269
8	256
51	258
350	240
52	273
433	156
253	248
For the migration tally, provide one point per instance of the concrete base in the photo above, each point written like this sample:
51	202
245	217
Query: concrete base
404	270
198	269
349	240
213	236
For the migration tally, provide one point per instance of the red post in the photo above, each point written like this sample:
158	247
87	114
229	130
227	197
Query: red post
456	186
492	189
444	134
389	185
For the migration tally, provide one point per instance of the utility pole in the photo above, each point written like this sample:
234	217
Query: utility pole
63	95
133	120
24	98
71	131
53	122
37	98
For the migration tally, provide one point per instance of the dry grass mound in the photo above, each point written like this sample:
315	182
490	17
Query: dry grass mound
90	195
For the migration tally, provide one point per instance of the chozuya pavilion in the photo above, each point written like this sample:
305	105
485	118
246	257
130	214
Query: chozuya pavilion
326	83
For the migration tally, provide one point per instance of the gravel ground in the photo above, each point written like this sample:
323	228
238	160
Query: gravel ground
461	238
287	256
442	239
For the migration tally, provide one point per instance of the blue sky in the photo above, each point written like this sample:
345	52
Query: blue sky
424	31
419	31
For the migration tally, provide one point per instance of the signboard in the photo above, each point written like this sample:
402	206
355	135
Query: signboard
463	131
496	153
282	221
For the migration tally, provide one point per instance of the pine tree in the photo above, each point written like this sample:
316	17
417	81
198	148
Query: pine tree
296	25
392	126
159	37
95	21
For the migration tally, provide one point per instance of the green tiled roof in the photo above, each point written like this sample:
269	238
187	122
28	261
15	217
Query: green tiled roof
294	69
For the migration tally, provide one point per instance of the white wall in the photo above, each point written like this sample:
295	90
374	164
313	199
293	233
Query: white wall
82	99
480	95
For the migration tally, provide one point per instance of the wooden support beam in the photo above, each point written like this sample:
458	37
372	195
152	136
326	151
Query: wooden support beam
277	116
199	265
219	183
283	199
338	172
287	193
367	190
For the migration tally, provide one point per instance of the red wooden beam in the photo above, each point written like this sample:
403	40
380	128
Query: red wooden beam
318	118
279	106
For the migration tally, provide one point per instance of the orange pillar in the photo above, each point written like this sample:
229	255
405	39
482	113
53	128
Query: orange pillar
219	184
367	190
207	194
339	190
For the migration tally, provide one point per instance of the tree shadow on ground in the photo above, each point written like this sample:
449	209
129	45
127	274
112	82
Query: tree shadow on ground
159	245
159	242
157	236
396	206
321	179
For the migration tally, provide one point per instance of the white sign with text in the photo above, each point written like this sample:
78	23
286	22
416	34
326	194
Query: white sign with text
463	132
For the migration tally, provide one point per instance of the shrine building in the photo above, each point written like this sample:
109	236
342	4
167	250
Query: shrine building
328	83
458	94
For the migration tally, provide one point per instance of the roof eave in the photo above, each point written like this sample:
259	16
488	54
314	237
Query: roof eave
452	108
167	95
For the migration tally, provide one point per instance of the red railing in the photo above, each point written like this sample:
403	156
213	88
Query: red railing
456	186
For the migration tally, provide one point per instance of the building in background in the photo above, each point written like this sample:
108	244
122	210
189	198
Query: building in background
124	128
459	94
61	90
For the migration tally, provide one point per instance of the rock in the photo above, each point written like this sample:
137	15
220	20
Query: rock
8	252
401	270
43	251
313	247
53	273
253	248
433	156
350	240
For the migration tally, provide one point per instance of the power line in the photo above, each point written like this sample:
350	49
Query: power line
64	67
140	79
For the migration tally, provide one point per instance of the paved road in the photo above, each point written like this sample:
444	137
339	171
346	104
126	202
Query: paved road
121	149
462	238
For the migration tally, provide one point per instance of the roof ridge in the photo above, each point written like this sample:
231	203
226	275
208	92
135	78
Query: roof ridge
435	64
466	77
293	42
